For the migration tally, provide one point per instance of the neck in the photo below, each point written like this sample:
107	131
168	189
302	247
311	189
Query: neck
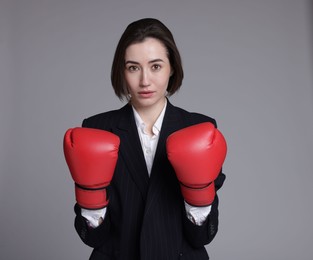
150	114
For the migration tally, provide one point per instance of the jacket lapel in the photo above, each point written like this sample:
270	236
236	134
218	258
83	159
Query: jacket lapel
171	123
131	151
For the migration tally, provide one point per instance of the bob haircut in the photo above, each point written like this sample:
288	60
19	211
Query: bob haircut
137	32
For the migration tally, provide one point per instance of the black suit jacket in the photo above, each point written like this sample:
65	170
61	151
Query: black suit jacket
146	217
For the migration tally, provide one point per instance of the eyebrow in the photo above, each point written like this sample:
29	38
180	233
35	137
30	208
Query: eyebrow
135	62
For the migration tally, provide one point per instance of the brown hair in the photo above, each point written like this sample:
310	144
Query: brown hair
137	32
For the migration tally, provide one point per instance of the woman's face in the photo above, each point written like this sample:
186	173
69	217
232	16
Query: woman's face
147	73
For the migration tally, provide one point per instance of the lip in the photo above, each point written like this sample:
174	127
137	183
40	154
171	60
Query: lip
146	94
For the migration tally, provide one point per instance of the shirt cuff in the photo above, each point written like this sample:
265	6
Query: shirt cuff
94	217
197	214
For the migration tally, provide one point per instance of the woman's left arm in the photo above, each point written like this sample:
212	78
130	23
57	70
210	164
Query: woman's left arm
200	235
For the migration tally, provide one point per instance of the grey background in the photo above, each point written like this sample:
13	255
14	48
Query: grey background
247	63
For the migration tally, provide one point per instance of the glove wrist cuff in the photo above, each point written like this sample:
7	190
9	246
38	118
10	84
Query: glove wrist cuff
198	197
91	198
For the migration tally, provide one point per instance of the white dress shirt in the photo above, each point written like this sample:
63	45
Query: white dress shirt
149	144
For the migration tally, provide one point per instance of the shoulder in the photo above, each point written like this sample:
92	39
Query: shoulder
191	118
105	120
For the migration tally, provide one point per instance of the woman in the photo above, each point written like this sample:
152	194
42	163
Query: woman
157	199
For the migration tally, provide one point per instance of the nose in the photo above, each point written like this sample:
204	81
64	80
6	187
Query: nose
144	79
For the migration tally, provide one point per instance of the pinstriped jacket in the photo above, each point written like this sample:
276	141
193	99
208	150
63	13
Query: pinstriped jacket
146	218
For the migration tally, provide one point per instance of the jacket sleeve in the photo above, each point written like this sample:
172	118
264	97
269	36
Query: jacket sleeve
199	236
93	237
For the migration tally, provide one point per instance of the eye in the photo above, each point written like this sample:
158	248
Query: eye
156	67
132	68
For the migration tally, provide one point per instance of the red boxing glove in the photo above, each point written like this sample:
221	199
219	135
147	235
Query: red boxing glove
91	156
197	154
